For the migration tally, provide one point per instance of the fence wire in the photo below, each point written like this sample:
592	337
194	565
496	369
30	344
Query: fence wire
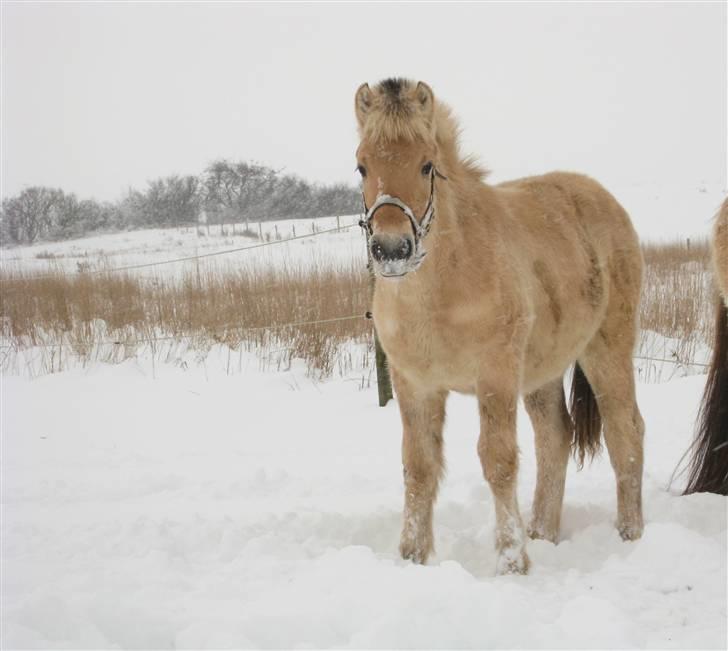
218	331
234	327
188	258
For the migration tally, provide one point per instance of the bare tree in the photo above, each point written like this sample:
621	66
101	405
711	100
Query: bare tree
227	192
30	214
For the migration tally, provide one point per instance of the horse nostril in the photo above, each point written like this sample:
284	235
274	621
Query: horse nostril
405	249
400	249
377	251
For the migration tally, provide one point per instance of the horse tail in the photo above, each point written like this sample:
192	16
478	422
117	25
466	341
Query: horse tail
708	469
585	416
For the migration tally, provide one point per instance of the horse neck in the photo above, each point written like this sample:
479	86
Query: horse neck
457	205
444	245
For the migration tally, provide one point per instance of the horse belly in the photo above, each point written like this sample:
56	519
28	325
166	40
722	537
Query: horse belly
555	343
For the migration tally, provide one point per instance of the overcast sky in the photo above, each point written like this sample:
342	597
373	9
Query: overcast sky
100	97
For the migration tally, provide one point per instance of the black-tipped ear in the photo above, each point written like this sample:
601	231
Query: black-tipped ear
363	102
425	99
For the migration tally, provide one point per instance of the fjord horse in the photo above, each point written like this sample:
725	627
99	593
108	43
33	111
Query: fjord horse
708	469
496	290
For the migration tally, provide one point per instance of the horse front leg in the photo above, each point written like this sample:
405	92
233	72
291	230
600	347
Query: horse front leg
498	453
423	416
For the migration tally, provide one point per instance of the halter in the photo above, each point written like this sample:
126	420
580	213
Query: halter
419	228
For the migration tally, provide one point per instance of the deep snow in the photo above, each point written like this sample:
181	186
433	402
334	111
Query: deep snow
183	507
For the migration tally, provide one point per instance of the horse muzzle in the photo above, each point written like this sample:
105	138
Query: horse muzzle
393	256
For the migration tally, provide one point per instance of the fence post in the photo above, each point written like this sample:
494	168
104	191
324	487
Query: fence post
384	381
338	224
260	232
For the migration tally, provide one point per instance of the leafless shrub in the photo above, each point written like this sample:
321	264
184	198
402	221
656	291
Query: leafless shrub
677	297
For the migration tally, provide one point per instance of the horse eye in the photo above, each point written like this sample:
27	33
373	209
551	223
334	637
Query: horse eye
426	169
361	170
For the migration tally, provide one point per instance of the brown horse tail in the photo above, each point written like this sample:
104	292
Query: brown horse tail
586	417
708	469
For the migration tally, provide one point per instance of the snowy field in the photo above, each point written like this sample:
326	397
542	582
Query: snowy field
327	248
184	507
165	505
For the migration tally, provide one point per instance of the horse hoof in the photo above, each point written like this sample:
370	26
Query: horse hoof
630	531
410	550
512	561
539	532
415	555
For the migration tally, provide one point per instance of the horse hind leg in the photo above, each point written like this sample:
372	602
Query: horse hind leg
607	365
553	431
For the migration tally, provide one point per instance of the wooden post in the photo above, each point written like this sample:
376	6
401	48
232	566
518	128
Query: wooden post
260	232
384	381
338	224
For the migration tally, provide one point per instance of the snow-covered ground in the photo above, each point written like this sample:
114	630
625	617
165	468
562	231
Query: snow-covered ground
178	506
154	245
177	503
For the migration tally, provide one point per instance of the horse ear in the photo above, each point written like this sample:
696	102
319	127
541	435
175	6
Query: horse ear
425	99
363	102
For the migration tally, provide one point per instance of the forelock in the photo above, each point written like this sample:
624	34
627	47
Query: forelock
394	115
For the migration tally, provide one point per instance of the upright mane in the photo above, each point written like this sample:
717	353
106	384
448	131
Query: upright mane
398	109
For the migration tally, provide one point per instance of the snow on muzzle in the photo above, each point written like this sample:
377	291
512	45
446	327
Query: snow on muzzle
392	254
397	254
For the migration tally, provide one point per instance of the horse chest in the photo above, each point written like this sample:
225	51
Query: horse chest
433	348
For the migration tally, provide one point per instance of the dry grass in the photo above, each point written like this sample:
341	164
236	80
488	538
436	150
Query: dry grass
203	308
678	296
208	306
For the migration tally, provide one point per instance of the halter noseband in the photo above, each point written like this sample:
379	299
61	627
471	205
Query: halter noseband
419	228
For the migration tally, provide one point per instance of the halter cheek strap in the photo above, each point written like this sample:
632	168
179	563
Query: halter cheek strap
419	228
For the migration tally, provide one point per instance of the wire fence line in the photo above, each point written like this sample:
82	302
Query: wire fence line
188	258
235	327
670	361
223	329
